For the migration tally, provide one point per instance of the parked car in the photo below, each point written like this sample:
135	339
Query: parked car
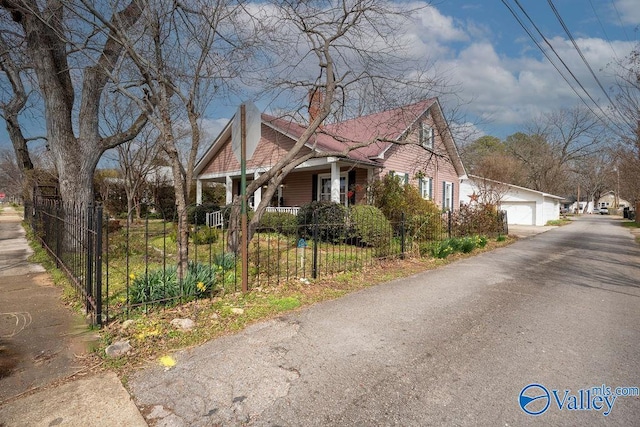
603	211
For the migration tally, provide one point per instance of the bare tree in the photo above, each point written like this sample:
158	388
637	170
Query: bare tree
12	67
74	61
186	53
553	144
627	97
344	51
594	174
10	175
627	113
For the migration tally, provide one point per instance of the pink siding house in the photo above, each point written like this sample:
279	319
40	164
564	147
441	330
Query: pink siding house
413	142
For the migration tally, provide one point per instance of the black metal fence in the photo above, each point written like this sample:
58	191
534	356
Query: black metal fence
119	266
72	235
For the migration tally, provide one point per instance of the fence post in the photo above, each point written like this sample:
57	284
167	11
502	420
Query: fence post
89	254
402	243
59	233
449	224
314	269
98	249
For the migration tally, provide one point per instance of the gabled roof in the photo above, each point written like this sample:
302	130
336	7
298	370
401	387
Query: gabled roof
479	178
376	132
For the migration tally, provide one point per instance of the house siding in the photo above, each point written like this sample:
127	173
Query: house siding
297	189
412	158
441	164
271	148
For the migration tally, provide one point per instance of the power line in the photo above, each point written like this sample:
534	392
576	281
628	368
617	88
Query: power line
577	48
554	51
602	114
620	19
595	13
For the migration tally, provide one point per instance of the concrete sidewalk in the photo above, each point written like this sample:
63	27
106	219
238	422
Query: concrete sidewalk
45	379
522	231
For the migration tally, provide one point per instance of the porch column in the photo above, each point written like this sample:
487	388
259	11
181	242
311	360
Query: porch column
257	196
335	182
198	192
229	193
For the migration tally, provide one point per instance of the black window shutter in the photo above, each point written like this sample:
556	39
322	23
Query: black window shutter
351	186
444	194
453	192
314	187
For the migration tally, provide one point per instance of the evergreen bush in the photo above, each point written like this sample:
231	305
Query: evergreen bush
279	222
330	219
369	226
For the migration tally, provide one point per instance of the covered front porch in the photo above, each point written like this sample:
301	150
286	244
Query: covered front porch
329	179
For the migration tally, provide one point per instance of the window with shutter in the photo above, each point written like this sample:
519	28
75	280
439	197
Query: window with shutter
425	185
426	136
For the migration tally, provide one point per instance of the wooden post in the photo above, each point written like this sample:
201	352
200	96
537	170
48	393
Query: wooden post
243	212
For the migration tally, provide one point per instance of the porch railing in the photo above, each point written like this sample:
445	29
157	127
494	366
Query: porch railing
215	219
293	210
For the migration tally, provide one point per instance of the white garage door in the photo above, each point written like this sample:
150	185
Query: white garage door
521	213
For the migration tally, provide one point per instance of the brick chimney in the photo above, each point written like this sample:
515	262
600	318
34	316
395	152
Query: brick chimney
315	103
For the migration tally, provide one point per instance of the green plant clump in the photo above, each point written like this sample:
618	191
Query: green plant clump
162	286
370	226
279	222
205	235
449	246
330	218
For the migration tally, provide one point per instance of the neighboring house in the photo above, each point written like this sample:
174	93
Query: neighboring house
609	200
523	205
413	142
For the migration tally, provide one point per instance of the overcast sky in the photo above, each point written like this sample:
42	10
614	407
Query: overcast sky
500	70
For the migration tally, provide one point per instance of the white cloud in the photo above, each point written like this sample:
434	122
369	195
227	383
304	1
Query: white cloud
628	10
213	127
432	25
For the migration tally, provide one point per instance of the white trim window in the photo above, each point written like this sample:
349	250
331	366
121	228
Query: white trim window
403	176
447	195
324	188
426	136
425	185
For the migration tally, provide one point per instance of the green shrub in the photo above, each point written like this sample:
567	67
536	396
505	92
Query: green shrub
279	222
476	219
197	214
369	226
425	227
330	219
394	198
205	235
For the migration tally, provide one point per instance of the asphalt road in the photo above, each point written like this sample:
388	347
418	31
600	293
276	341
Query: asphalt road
453	346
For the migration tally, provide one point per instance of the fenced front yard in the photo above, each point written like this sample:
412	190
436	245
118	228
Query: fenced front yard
118	268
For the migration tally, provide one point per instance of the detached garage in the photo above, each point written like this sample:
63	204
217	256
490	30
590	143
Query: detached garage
524	206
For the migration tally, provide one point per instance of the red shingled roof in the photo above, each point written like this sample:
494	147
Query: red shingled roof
379	129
